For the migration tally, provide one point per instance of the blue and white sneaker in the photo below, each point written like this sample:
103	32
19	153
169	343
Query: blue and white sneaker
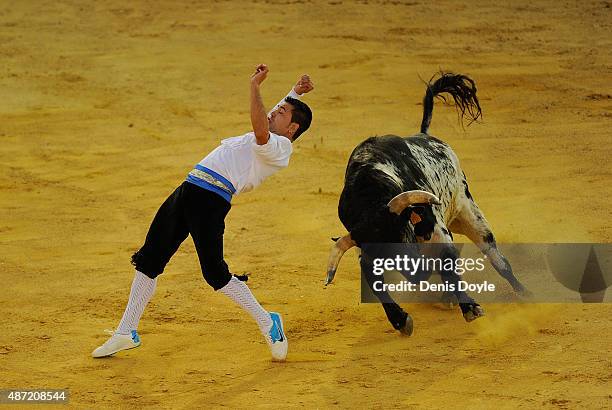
116	343
277	341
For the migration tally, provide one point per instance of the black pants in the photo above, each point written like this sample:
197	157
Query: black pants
188	210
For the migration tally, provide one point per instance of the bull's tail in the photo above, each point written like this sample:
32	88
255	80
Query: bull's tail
463	91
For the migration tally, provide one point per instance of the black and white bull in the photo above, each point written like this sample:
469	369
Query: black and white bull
412	190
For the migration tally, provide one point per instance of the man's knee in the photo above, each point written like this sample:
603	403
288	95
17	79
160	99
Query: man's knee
216	276
150	266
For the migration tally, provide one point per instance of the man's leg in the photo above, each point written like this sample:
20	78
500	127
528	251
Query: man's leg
206	228
240	293
167	231
141	293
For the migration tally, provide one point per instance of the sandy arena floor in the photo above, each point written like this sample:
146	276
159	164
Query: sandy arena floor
105	107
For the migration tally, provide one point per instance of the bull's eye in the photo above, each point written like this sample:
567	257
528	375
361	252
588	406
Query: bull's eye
420	210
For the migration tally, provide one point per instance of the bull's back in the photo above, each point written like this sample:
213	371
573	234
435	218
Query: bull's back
414	162
381	167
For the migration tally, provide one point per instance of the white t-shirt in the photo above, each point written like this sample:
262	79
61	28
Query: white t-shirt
246	164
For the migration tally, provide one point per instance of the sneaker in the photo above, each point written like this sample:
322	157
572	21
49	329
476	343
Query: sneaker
277	341
117	343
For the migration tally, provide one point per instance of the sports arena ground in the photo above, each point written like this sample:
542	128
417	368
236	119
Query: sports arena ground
107	105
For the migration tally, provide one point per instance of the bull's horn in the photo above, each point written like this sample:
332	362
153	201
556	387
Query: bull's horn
342	245
405	199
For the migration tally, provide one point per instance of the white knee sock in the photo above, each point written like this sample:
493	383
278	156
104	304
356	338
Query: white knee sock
240	293
143	288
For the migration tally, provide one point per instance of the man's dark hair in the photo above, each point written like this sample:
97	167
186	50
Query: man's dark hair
300	114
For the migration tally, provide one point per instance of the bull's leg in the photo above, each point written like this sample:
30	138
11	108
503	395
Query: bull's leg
442	238
471	222
399	319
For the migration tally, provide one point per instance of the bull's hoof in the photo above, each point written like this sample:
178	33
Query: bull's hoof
403	324
471	311
408	326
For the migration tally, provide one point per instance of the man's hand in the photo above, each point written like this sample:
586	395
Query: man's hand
261	72
304	85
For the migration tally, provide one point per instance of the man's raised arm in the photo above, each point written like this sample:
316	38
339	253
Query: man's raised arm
259	119
303	86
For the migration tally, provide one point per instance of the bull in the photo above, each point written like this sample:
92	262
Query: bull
413	190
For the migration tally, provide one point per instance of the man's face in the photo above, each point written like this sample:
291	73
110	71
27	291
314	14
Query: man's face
279	121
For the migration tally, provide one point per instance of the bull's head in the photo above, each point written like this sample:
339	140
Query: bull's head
421	218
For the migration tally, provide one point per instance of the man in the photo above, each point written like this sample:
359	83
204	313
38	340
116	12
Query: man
199	206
